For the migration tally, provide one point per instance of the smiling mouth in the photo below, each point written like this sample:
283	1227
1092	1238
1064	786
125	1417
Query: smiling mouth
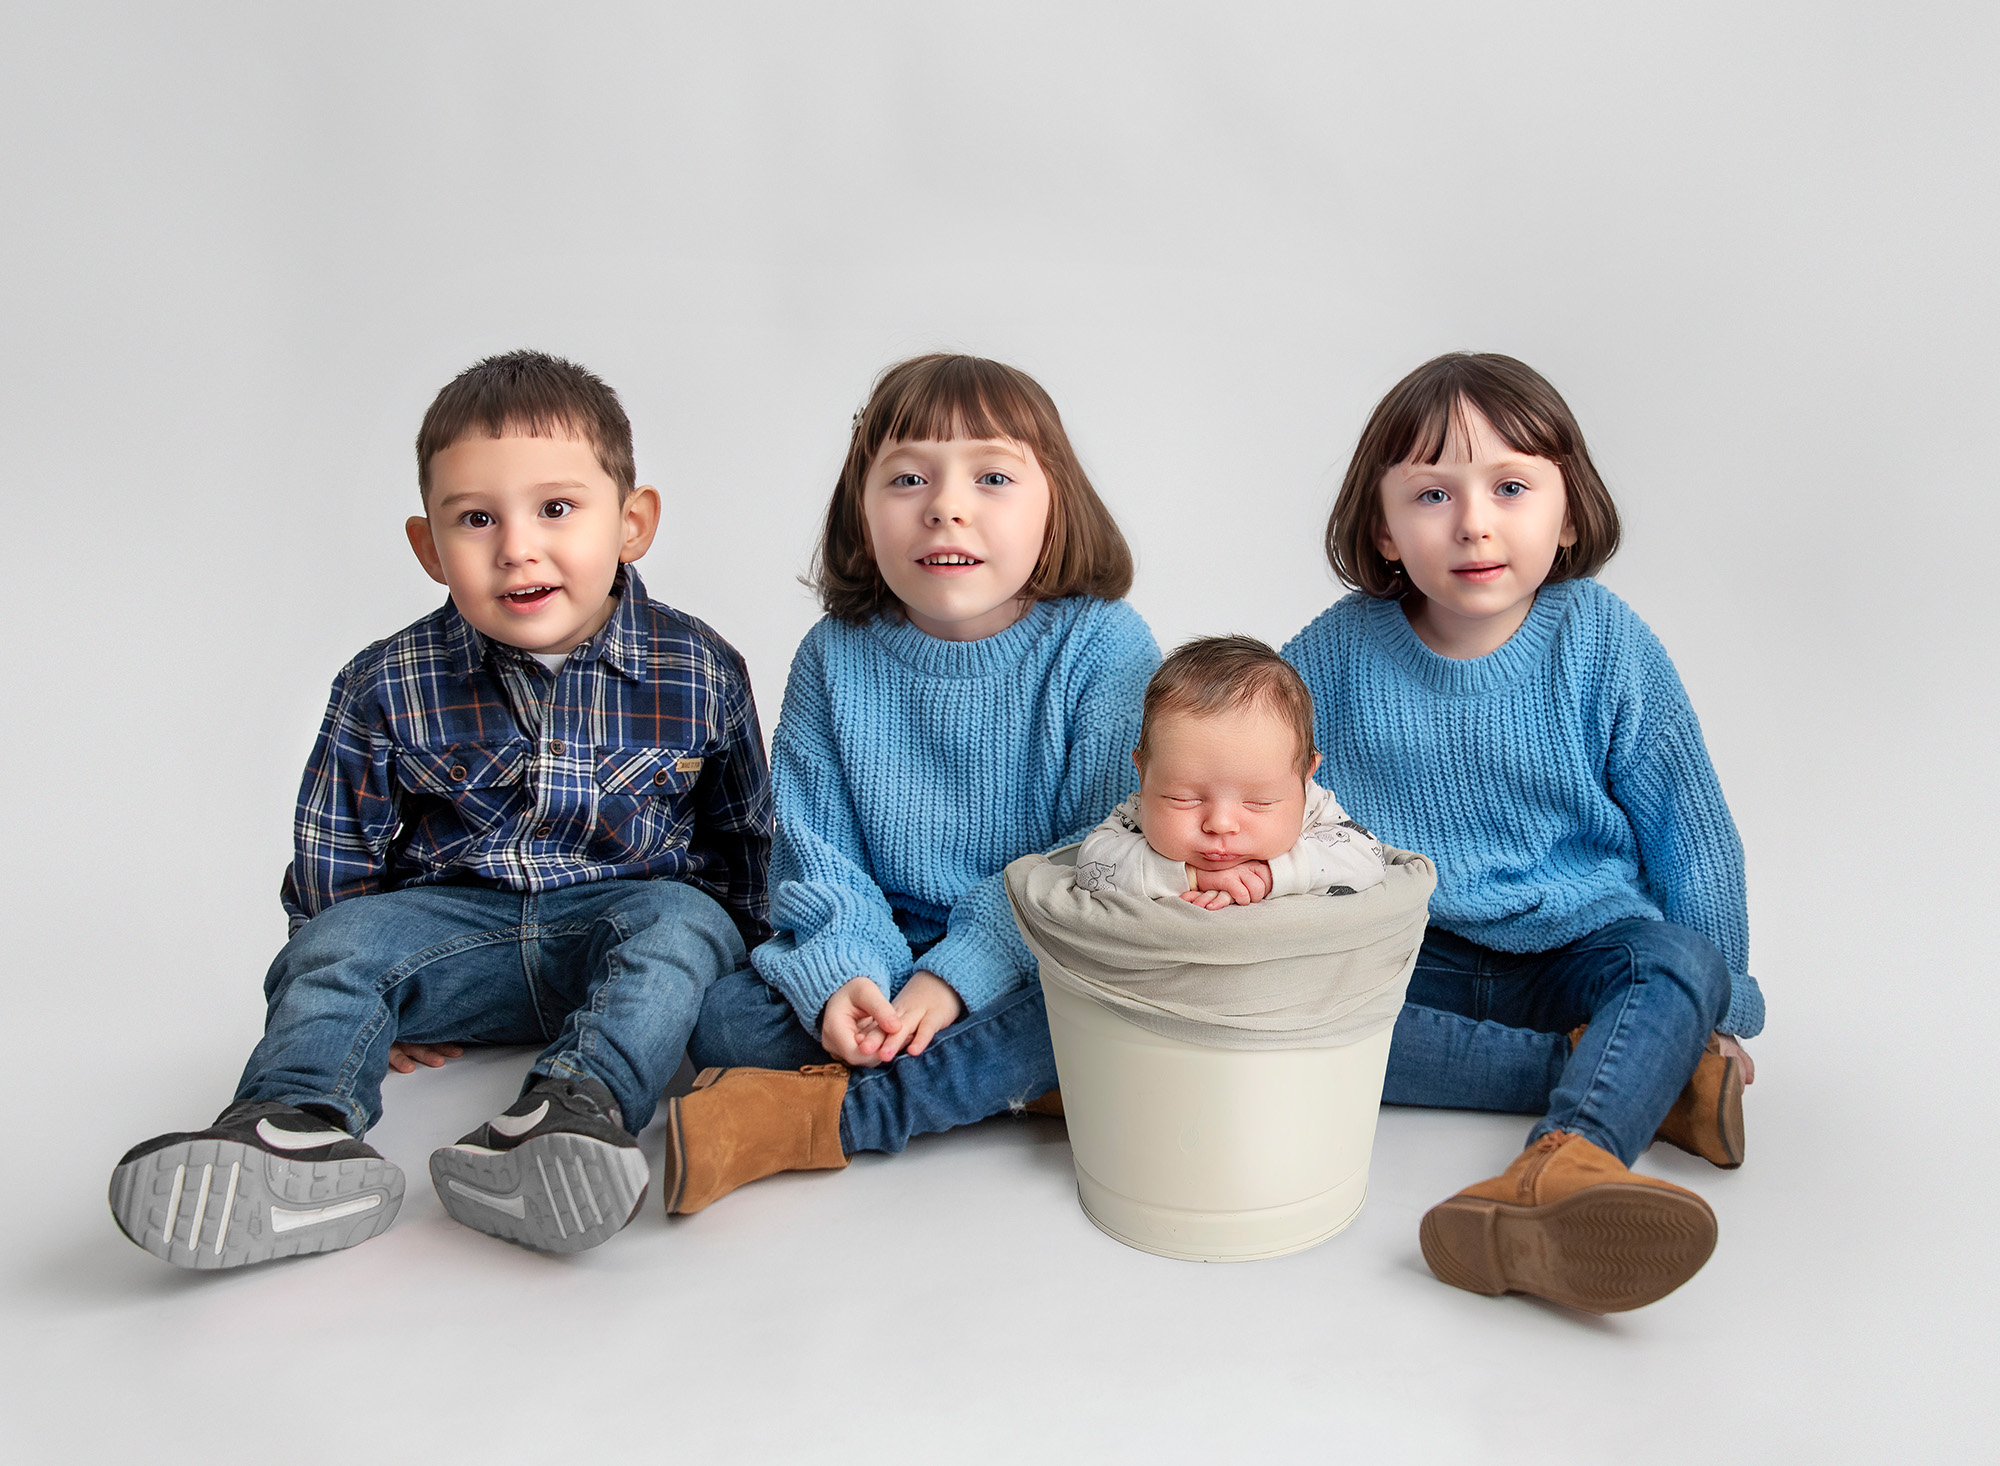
529	595
946	558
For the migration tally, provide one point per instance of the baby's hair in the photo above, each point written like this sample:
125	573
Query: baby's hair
1218	674
538	396
943	396
1420	416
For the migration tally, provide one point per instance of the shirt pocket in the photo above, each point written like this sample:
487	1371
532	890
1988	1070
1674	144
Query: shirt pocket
456	794
645	804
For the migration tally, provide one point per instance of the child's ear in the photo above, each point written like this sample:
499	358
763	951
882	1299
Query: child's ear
642	522
1312	768
1568	535
1138	767
418	528
1385	546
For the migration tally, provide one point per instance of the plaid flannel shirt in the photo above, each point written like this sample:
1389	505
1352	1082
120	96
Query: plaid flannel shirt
449	758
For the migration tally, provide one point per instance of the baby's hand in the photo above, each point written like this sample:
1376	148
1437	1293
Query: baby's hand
404	1057
855	1021
1244	884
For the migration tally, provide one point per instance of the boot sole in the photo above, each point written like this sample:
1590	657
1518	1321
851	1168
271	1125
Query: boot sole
1729	1119
676	1160
1724	1148
1605	1249
212	1203
555	1193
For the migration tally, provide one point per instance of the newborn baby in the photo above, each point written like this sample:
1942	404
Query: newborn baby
1227	811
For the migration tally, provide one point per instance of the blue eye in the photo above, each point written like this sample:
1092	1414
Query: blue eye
994	480
1433	496
1513	488
907	481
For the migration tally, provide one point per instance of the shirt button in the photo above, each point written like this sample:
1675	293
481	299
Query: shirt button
556	747
542	831
458	771
659	776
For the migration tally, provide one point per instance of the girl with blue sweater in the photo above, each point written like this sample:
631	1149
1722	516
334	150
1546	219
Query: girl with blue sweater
971	696
1480	698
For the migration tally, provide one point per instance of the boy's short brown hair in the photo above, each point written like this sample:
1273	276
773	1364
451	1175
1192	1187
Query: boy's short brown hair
534	394
1216	674
943	396
1415	422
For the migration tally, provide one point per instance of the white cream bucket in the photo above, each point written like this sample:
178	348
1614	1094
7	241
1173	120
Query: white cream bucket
1220	1154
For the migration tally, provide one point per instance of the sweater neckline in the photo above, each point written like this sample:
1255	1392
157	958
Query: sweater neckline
1520	654
935	657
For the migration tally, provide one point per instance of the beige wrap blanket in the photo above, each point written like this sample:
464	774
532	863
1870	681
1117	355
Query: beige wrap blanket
1294	972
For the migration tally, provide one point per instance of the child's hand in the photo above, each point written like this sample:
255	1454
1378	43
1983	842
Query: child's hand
926	1004
404	1057
854	1022
1732	1048
1244	884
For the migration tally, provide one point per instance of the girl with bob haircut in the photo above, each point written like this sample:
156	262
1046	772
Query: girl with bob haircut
1482	699
971	696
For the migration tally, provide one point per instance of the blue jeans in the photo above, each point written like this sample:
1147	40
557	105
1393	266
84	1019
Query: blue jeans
995	1059
1487	1030
609	975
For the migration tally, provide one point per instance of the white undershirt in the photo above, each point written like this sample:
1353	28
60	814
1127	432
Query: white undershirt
552	660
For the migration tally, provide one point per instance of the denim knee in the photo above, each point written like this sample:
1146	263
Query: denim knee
677	910
340	931
1693	962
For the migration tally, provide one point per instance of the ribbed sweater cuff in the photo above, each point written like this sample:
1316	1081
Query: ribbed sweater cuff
978	974
808	979
1745	1017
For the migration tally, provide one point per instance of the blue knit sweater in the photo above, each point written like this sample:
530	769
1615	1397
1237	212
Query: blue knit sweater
1559	783
907	771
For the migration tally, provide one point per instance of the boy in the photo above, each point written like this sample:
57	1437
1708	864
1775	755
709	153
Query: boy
1227	811
540	814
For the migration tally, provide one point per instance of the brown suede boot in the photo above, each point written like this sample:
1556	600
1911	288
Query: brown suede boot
1048	1104
1707	1119
1569	1223
740	1125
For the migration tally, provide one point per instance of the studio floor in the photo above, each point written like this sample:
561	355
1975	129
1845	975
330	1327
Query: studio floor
954	1304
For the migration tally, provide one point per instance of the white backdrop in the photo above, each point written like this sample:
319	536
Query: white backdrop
241	246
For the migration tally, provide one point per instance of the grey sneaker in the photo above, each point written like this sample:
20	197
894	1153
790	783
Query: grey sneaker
557	1171
265	1180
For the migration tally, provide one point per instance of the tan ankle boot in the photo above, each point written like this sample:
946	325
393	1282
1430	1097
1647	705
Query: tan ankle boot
1569	1223
1707	1119
740	1125
1049	1104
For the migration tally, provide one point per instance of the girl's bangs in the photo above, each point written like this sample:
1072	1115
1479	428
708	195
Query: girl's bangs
1432	423
958	400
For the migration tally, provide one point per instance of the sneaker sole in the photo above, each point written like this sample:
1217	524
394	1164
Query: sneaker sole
220	1203
554	1193
1605	1249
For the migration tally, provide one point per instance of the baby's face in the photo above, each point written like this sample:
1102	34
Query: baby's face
1222	790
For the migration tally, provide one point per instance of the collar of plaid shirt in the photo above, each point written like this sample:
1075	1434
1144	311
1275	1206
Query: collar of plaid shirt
621	644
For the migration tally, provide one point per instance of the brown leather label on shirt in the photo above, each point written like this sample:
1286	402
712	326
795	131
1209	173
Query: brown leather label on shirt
687	765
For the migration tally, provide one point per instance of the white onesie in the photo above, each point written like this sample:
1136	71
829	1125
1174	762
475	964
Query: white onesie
1334	856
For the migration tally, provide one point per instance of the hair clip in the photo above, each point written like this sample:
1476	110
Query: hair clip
857	418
